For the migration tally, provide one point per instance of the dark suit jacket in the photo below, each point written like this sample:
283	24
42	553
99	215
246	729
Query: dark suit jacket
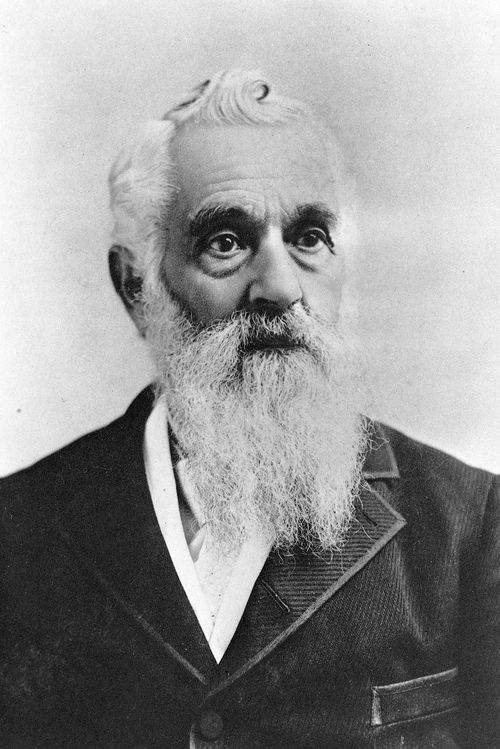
391	642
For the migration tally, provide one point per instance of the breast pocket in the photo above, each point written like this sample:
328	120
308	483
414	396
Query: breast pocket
416	698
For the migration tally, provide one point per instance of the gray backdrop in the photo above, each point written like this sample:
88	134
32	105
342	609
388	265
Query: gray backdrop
412	88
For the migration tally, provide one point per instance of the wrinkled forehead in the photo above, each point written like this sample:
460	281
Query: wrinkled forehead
262	168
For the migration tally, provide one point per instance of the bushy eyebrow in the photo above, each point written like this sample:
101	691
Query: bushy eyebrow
222	217
217	217
311	214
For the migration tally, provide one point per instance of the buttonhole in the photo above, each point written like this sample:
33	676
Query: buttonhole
276	598
370	520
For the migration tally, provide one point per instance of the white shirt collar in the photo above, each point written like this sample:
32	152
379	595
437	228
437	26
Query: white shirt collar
217	589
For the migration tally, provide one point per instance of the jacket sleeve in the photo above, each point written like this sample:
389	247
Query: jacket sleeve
480	646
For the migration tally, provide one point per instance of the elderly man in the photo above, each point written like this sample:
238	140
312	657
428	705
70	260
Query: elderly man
244	560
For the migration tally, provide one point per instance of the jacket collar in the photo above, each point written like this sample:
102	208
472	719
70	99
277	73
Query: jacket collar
108	521
380	462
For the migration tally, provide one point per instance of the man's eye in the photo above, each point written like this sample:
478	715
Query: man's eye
314	240
223	245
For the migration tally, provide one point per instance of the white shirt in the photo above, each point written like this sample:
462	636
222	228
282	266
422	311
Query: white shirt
218	588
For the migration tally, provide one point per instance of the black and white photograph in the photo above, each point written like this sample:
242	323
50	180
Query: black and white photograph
250	374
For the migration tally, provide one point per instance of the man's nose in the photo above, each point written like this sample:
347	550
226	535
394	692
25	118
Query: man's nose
275	281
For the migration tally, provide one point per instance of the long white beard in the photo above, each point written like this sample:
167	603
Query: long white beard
274	437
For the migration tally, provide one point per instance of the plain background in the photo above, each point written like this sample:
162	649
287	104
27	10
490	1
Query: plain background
412	90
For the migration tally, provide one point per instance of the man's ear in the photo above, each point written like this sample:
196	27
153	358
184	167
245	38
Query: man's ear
128	284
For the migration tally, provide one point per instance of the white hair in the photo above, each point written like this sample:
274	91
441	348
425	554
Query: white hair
142	179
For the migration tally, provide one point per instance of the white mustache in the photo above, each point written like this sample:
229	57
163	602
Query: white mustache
254	331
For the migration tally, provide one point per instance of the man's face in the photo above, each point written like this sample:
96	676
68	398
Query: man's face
264	404
254	224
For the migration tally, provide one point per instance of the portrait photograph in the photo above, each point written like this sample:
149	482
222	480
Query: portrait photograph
250	374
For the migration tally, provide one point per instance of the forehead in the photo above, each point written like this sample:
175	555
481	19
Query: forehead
266	170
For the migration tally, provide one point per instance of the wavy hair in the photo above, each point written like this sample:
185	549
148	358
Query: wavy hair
142	179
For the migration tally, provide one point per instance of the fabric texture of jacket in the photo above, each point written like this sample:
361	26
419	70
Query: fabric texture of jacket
393	641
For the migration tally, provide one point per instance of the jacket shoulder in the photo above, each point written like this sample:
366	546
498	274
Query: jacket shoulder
434	473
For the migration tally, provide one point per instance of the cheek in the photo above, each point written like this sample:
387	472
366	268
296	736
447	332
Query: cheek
323	292
207	299
210	302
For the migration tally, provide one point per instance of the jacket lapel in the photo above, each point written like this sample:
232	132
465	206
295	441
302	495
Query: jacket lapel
291	588
109	524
